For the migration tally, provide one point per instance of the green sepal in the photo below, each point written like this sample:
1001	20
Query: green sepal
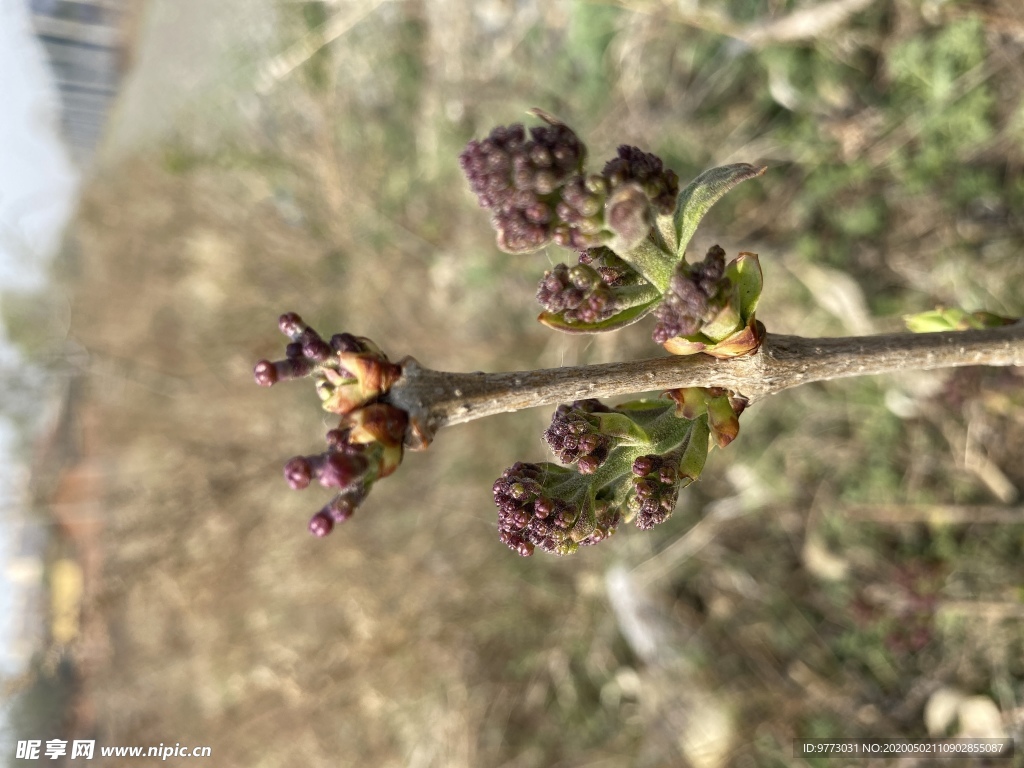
953	319
703	192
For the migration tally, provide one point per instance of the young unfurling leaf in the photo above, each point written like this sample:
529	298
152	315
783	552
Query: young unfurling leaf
702	193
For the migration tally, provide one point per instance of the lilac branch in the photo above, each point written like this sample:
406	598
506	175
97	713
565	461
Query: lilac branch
436	399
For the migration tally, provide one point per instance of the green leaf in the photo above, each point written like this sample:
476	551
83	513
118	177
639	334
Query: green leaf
664	233
703	192
635	302
953	319
623	427
626	317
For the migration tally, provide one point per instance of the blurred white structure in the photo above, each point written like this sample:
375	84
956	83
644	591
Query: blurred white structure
83	43
60	65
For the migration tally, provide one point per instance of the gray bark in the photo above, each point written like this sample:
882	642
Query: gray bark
436	399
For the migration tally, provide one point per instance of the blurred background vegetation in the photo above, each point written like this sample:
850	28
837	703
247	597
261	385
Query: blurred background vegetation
850	567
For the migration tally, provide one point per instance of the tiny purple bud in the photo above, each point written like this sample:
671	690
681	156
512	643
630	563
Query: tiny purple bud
541	156
316	349
542	508
298	473
265	373
643	466
291	325
321	524
516	543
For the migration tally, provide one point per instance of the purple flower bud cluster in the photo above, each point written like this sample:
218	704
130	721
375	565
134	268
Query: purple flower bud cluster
530	512
518	179
542	505
575	435
581	213
343	466
696	293
351	375
336	511
307	351
579	293
660	184
348	371
366	447
656	486
538	192
302	354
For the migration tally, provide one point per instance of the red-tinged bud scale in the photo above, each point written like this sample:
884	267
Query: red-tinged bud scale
348	372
